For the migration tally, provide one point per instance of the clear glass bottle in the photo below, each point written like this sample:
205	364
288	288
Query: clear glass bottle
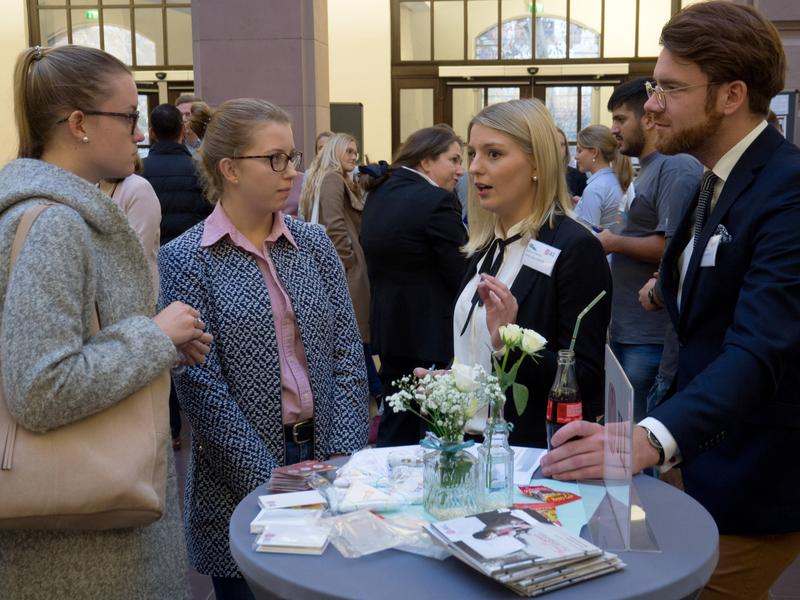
564	400
496	462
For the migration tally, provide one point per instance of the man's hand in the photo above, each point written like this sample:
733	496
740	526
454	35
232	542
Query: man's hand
648	291
608	239
580	458
584	457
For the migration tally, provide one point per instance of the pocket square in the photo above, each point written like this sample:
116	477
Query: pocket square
725	237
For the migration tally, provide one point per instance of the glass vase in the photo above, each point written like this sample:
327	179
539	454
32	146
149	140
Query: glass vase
496	462
450	481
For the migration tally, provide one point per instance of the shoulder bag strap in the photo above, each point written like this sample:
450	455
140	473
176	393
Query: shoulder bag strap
23	228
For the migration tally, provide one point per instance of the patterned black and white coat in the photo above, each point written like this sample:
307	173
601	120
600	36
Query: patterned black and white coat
233	400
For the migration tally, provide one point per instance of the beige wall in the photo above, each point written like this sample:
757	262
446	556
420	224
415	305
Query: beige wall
360	67
13	39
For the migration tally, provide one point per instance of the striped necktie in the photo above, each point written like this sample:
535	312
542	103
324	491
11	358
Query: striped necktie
703	202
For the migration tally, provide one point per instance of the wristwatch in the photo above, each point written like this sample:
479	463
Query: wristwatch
653	441
652	298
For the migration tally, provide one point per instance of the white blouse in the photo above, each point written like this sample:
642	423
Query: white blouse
475	346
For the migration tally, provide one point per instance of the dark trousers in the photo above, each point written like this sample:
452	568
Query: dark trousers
404	428
174	412
231	588
374	382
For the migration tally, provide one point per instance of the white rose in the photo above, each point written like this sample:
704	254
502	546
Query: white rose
511	335
464	378
532	342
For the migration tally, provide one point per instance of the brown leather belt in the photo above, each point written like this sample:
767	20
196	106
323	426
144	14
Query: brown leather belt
301	432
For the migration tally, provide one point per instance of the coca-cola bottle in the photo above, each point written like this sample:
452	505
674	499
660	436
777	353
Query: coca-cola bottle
564	400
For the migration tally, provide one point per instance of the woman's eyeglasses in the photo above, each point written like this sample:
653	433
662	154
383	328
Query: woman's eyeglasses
132	118
278	161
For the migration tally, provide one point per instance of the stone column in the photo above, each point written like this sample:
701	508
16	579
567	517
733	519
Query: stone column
271	49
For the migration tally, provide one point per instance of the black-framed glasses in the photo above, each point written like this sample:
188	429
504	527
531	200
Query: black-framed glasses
278	161
132	118
661	94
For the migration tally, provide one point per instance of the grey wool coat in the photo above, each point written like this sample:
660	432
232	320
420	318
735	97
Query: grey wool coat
54	373
233	400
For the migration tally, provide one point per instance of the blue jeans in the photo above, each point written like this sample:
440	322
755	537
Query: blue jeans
640	363
296	453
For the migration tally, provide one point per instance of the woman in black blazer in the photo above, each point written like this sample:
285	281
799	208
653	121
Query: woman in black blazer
411	233
530	263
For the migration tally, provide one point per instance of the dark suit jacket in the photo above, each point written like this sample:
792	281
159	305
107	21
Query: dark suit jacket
550	305
170	169
736	413
411	233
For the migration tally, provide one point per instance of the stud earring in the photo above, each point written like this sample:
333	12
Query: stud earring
85	139
594	159
535	178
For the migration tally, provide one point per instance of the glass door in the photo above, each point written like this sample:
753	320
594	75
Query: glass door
465	101
575	106
417	104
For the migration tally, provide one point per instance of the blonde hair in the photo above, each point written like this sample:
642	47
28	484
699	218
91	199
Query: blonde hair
529	124
329	160
49	83
600	138
229	134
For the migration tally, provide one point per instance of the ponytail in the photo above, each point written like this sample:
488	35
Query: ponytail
624	170
51	82
601	138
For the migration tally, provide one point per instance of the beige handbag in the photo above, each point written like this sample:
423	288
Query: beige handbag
105	471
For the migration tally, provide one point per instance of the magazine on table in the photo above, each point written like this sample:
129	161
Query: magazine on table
505	540
523	550
580	571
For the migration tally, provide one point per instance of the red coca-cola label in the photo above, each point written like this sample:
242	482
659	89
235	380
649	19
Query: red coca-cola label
565	412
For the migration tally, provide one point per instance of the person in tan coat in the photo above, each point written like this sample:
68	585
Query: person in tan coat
331	199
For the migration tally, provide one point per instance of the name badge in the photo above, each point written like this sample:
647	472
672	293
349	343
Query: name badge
540	257
710	253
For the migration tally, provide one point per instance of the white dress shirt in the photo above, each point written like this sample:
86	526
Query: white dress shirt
723	168
475	346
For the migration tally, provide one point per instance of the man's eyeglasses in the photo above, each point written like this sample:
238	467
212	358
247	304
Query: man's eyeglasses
132	118
661	94
278	161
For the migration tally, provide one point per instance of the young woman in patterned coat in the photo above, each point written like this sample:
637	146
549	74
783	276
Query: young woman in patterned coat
285	379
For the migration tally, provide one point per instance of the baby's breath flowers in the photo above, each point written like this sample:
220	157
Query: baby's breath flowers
446	400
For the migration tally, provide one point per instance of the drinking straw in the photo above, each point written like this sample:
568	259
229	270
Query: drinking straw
581	315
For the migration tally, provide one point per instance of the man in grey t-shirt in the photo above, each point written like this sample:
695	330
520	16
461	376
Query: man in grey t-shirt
664	187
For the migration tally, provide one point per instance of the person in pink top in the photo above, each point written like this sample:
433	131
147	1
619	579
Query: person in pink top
285	379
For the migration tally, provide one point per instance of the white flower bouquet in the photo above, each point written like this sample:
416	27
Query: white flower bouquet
446	400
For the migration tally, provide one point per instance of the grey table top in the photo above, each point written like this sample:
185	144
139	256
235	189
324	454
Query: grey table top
685	532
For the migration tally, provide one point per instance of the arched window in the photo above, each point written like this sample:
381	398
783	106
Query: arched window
551	39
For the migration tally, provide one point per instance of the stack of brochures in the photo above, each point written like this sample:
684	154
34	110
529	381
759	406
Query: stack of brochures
297	477
523	550
290	523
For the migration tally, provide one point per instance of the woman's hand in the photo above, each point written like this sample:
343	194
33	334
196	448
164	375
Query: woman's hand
180	322
501	306
193	353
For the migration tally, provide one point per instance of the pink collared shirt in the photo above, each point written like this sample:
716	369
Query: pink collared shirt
296	397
